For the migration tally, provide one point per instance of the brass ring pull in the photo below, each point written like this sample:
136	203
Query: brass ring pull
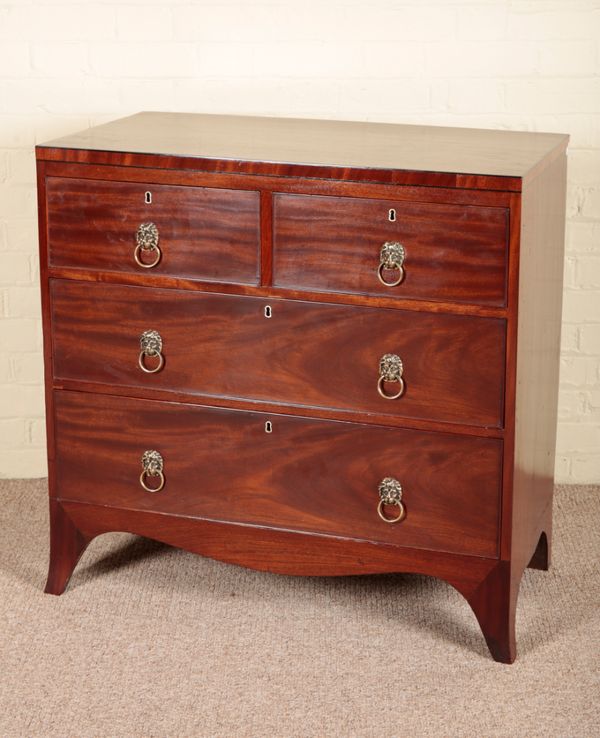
152	466
398	279
151	345
390	370
143	264
392	256
383	393
390	493
144	368
146	239
152	489
401	514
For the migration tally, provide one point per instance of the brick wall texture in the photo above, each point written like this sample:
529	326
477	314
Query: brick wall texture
518	64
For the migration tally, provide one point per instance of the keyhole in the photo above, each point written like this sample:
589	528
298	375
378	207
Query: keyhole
268	311
148	198
268	427
392	215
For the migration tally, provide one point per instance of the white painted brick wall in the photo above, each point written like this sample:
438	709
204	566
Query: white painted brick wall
519	64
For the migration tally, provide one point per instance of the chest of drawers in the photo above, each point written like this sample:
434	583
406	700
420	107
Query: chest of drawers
308	347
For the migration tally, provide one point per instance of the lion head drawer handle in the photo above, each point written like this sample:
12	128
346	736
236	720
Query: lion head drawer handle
152	466
391	257
390	370
146	239
390	493
151	346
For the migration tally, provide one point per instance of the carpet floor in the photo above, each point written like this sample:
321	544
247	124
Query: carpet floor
153	642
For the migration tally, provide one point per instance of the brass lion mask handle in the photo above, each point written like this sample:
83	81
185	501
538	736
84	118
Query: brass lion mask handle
152	466
151	346
391	257
146	239
390	493
390	370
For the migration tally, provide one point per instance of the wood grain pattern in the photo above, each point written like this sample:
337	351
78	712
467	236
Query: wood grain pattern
67	544
533	347
263	406
46	322
510	376
266	236
205	233
537	359
482	581
462	157
468	183
476	322
308	354
163	174
280	551
494	603
267	292
332	244
305	475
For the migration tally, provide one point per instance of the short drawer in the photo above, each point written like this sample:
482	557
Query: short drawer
192	232
292	352
453	253
309	475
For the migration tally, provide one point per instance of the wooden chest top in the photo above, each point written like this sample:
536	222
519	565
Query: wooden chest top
400	154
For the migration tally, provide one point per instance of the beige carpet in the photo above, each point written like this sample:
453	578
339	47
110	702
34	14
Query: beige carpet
149	641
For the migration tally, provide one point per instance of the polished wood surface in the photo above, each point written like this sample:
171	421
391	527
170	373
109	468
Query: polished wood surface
332	244
267	291
474	433
204	233
304	475
532	396
309	354
223	178
67	544
318	144
278	551
537	367
236	403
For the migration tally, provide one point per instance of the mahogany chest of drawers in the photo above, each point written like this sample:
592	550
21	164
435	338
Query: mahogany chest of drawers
308	347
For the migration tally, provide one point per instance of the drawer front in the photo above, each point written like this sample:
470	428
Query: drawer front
203	233
304	475
454	253
308	354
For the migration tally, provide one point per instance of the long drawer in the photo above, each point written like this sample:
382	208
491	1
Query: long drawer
445	367
195	232
310	475
447	252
